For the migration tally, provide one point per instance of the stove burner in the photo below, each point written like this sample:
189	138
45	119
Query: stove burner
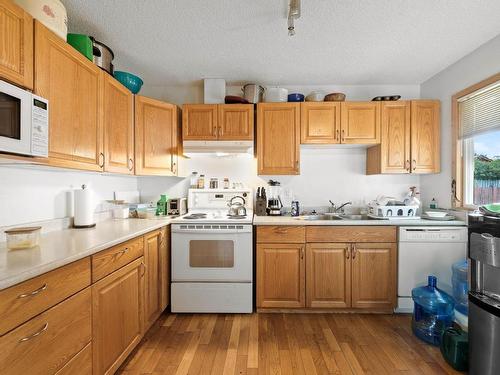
235	217
195	216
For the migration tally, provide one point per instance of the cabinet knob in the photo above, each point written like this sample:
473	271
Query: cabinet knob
353	251
343	136
131	164
414	164
101	155
347	252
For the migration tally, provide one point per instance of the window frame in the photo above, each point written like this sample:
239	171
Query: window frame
459	170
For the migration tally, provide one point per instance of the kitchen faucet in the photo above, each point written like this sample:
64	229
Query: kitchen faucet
340	209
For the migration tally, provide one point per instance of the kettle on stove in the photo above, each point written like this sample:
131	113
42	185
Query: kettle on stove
237	208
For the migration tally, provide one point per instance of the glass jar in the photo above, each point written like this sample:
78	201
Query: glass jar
193	184
201	181
226	183
214	183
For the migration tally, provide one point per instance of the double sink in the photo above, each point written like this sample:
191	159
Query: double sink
332	217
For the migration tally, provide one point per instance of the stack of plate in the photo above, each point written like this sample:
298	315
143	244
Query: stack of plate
437	215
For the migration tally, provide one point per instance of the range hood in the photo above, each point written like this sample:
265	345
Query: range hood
228	147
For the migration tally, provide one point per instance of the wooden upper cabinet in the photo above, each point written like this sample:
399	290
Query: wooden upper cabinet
156	137
117	320
374	275
199	122
278	138
360	123
235	122
425	136
320	123
16	44
280	275
328	277
393	153
118	121
72	85
153	300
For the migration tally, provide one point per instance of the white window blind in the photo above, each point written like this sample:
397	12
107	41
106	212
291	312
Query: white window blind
480	111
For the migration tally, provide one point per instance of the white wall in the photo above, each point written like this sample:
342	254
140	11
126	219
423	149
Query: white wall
30	194
326	173
478	65
336	173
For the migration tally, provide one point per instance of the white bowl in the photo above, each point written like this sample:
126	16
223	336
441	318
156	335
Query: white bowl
436	213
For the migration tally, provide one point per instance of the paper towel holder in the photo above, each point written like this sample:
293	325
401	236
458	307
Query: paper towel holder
82	226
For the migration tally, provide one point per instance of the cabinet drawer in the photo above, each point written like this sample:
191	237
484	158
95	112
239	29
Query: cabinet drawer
107	261
351	234
80	364
281	234
44	344
27	299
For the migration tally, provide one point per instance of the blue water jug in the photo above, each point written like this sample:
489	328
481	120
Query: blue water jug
460	286
433	312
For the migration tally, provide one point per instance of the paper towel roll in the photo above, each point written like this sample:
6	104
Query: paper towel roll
84	207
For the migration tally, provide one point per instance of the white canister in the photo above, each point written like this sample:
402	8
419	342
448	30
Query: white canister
275	94
51	13
84	208
214	90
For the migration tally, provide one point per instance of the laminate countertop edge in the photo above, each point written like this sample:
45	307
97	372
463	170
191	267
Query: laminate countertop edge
288	220
58	248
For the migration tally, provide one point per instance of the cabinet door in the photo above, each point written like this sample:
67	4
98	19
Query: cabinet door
235	122
199	122
278	138
360	123
117	316
320	122
374	275
16	44
72	84
156	137
425	136
328	275
165	267
395	142
118	122
152	285
280	275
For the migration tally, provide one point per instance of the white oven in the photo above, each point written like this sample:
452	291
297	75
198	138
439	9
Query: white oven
211	253
24	122
212	268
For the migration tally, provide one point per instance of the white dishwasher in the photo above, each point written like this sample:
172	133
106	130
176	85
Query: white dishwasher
427	251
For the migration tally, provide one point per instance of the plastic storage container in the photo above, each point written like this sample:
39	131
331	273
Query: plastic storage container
433	312
82	43
460	286
455	348
23	238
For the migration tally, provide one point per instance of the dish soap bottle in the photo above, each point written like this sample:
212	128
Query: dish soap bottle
161	205
434	204
433	312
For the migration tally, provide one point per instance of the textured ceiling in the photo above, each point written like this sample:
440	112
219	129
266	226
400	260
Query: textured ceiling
171	42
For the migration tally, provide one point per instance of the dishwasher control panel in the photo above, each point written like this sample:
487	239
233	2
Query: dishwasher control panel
432	234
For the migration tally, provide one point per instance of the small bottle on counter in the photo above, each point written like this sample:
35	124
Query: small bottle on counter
201	181
193	184
214	183
226	183
434	204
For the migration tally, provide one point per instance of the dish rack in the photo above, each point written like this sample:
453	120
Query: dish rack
393	211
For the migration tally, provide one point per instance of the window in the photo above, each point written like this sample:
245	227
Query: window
476	113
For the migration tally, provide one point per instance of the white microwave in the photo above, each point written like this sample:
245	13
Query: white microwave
24	122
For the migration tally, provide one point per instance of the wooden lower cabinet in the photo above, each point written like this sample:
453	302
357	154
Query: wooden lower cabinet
165	268
44	344
328	275
80	364
154	276
117	316
349	272
374	275
280	275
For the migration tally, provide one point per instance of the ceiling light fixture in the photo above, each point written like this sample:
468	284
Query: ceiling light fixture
293	14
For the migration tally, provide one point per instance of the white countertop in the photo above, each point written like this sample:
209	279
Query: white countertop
288	220
59	248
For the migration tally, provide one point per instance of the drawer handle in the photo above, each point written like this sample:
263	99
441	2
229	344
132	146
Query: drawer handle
280	230
33	293
123	251
27	338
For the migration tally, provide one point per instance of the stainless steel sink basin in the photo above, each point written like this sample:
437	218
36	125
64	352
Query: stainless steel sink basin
331	217
317	217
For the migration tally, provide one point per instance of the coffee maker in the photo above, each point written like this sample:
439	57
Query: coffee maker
274	204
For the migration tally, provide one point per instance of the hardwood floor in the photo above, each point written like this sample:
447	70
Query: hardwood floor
283	344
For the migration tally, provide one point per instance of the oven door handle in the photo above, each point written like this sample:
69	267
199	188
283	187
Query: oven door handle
212	231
